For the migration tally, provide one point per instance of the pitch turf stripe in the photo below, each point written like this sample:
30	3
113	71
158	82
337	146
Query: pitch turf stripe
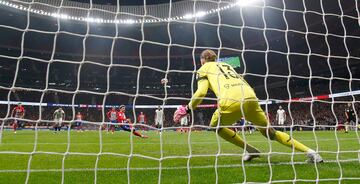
173	168
151	143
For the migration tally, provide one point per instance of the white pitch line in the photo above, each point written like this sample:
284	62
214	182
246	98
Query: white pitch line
171	168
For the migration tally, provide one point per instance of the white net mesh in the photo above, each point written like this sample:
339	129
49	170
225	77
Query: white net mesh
89	56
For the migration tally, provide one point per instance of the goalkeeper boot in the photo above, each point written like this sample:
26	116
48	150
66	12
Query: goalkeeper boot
314	157
249	156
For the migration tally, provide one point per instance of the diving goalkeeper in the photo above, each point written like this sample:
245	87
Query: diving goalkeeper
236	99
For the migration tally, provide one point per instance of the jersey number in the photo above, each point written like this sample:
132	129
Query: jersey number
228	72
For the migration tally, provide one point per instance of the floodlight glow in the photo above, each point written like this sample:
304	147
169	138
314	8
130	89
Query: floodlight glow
55	15
200	14
127	21
89	19
64	16
98	20
188	16
245	2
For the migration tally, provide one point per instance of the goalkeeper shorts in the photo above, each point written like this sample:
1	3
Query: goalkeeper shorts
248	108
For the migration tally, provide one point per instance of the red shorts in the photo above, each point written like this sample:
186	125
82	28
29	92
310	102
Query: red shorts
15	123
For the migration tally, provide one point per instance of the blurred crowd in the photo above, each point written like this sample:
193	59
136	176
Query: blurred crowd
322	114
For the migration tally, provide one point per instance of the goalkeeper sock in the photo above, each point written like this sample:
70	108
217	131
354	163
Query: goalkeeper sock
285	139
234	138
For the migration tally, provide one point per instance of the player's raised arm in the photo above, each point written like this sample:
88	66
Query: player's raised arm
203	86
196	99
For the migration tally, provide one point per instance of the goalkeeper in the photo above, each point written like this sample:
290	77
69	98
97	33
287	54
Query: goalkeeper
236	99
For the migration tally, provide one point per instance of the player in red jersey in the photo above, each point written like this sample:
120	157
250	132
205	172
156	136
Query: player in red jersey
18	112
127	127
142	121
112	115
78	122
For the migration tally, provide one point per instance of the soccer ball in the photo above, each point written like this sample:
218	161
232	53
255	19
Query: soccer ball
164	81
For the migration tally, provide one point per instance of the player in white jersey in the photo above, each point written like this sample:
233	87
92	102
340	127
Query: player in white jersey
280	116
184	122
159	117
59	116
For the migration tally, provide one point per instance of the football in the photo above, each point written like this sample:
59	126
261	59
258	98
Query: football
164	81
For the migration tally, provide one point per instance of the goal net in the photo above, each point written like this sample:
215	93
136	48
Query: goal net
89	56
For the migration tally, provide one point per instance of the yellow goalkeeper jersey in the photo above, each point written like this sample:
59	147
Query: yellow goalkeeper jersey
222	79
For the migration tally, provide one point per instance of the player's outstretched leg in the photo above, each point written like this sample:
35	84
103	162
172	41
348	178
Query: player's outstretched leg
139	134
257	116
232	137
287	140
128	129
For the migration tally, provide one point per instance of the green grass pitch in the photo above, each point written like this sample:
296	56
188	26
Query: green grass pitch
84	148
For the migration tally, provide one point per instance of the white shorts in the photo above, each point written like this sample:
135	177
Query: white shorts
184	122
281	121
58	122
158	122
